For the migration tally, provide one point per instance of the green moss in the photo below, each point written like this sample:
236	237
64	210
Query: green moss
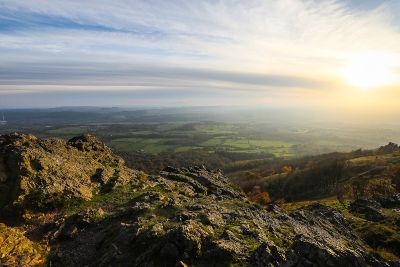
282	237
337	205
117	197
38	201
293	206
113	164
167	212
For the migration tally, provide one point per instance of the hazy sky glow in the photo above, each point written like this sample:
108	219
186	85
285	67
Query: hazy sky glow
216	52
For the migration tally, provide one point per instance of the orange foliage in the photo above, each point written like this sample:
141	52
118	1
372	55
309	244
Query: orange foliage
256	195
279	201
268	172
378	188
254	175
286	169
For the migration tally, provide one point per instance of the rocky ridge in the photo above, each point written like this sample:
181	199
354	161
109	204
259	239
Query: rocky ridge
181	217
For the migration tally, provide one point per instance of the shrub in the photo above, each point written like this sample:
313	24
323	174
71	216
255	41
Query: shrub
378	188
256	195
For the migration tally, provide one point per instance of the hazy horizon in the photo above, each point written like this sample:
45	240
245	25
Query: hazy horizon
300	116
336	57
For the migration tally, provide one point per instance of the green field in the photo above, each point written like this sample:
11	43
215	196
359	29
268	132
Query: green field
152	146
213	129
68	131
188	134
244	144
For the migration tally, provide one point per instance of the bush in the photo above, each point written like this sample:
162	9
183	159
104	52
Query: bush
256	195
379	188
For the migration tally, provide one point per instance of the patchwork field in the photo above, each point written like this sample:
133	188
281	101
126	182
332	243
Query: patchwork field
181	130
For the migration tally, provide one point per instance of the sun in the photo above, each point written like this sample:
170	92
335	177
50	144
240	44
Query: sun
368	70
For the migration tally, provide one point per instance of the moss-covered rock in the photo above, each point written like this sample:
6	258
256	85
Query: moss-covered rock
44	173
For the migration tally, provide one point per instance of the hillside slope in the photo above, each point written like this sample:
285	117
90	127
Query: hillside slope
76	204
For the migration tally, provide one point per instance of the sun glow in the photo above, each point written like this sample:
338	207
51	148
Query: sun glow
369	70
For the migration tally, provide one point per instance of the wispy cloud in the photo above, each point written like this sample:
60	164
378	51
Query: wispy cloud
254	46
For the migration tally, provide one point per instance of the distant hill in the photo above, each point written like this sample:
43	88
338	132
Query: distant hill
315	177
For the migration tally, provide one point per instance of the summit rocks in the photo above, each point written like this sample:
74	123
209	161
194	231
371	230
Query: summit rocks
181	217
46	172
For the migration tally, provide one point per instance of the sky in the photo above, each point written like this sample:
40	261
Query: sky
338	55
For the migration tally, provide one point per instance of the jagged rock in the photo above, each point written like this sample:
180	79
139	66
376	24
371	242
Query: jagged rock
140	207
49	172
268	254
214	219
370	209
186	215
390	202
188	237
156	230
153	196
181	217
171	169
228	246
16	250
89	216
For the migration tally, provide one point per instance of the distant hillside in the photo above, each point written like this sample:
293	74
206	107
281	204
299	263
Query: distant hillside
315	177
76	204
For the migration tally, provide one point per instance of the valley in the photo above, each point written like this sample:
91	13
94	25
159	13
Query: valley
196	177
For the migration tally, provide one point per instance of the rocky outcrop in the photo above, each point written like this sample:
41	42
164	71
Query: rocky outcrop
390	202
51	172
378	223
371	210
180	217
215	225
16	250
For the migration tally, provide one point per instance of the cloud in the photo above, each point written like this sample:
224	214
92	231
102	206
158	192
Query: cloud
226	45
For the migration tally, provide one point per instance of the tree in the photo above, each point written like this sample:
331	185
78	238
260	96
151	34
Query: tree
256	195
340	196
379	188
268	172
356	189
393	173
253	175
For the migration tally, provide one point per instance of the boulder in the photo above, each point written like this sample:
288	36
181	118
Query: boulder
16	250
51	173
390	202
370	209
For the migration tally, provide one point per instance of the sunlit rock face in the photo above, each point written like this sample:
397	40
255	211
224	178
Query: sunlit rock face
17	250
53	170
